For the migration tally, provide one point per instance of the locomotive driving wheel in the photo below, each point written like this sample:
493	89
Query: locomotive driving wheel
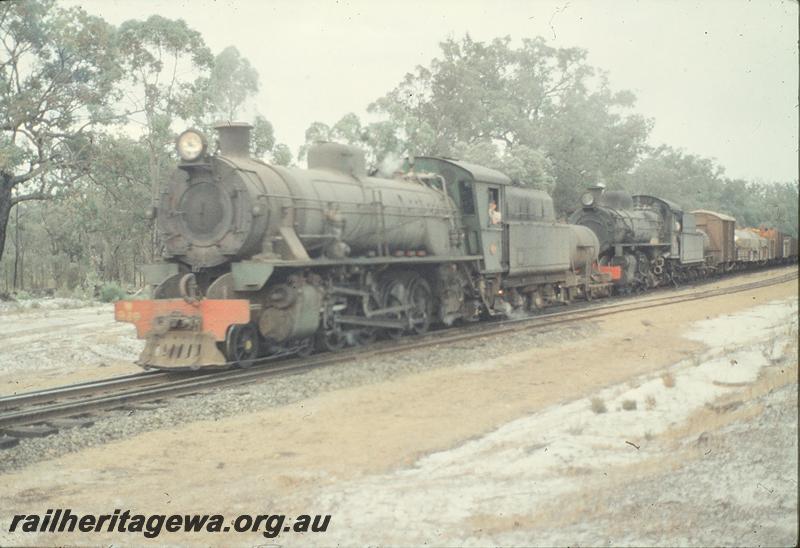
413	292
419	297
242	344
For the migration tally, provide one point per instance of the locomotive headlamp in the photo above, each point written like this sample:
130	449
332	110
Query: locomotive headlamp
587	199
190	144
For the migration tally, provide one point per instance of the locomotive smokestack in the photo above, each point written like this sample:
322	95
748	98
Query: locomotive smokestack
234	138
597	191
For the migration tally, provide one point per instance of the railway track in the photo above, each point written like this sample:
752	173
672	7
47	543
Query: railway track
44	412
78	390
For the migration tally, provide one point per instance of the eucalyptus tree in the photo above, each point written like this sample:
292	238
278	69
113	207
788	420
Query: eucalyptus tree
697	182
162	59
58	76
550	116
232	81
225	96
282	155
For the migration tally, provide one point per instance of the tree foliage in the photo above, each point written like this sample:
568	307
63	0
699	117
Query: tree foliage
695	182
549	120
58	71
223	94
98	231
232	82
94	109
262	137
282	155
523	164
155	53
540	113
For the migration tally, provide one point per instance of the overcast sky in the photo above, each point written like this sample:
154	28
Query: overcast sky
720	78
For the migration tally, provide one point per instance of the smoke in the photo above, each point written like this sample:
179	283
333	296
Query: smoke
390	164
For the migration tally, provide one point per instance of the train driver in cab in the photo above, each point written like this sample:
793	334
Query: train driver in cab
495	217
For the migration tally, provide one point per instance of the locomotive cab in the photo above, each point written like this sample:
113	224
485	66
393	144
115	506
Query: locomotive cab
474	189
687	244
514	231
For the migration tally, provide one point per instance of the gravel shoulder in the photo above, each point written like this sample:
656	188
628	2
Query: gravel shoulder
451	445
49	346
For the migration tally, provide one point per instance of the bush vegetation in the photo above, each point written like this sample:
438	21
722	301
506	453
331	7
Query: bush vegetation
111	292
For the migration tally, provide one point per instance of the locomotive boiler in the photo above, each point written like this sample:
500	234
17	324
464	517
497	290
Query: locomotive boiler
229	207
611	216
265	260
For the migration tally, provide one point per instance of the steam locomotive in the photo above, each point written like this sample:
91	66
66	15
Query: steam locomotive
646	241
266	260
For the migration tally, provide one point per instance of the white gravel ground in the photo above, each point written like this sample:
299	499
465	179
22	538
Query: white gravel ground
59	340
51	303
543	458
279	391
742	492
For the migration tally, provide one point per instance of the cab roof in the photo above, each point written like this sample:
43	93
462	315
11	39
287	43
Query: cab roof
672	205
720	216
477	172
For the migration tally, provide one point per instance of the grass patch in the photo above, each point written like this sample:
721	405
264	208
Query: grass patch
629	405
650	403
598	405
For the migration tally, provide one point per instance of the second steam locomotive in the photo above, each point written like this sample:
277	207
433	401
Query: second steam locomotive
646	241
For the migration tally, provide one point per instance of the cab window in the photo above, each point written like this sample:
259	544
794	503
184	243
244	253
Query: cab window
467	198
495	216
